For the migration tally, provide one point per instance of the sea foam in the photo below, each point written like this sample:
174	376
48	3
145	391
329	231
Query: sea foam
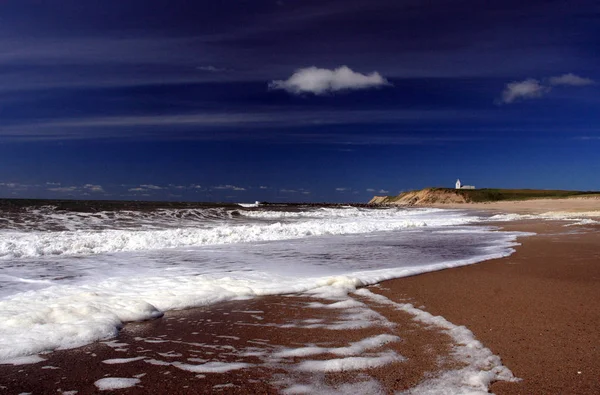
64	289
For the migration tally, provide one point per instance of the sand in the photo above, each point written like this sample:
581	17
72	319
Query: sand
576	204
234	332
538	309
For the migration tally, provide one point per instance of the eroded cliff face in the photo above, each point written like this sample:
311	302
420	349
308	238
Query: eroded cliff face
378	199
423	197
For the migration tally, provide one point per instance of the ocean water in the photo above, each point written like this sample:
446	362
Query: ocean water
70	278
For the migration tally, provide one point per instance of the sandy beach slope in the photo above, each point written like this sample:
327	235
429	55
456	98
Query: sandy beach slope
575	204
539	309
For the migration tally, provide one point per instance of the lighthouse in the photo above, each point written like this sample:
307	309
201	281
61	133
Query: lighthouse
459	185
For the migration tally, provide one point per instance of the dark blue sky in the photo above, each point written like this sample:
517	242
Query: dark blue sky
296	100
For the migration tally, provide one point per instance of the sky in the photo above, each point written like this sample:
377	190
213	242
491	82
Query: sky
296	101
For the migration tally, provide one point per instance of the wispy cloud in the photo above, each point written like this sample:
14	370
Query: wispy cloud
211	69
193	126
229	187
150	186
587	138
373	190
64	189
528	89
16	185
341	189
532	88
321	81
570	79
93	188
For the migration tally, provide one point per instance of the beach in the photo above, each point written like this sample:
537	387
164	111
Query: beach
537	309
533	313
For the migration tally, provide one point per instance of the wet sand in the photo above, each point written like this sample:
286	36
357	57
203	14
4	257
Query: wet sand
167	355
538	309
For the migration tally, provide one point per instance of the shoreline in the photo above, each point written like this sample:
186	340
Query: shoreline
537	309
515	304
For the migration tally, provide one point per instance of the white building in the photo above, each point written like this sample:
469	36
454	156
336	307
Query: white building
459	185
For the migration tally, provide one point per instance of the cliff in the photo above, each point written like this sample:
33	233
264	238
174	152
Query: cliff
423	197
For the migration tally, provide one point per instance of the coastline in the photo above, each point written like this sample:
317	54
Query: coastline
535	309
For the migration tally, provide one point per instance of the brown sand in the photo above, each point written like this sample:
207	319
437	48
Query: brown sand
577	204
237	331
538	309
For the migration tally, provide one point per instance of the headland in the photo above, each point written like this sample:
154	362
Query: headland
509	200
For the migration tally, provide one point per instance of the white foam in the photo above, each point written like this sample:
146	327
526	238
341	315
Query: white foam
371	387
25	360
351	363
20	244
354	348
577	218
481	368
115	383
121	287
211	367
115	361
72	316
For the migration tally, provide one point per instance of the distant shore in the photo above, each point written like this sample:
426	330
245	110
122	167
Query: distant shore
513	200
534	206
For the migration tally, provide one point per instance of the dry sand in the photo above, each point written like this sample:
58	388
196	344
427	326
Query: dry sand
577	204
538	309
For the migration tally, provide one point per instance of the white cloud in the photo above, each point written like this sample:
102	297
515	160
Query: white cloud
322	81
231	187
342	189
528	89
263	187
93	188
532	88
383	191
63	189
150	186
137	190
211	69
288	191
370	190
570	79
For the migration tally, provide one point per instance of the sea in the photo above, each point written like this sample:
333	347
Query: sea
71	276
